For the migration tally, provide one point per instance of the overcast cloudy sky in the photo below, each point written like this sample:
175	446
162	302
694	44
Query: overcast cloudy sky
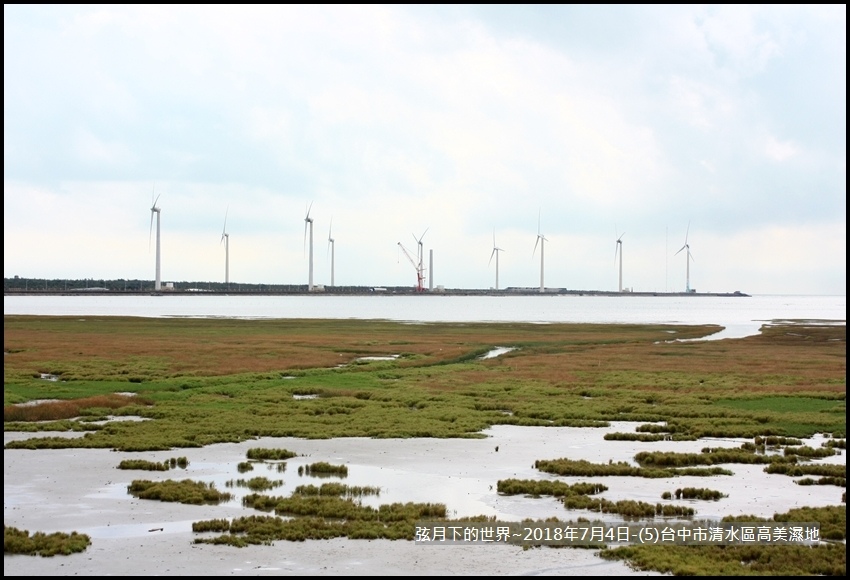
722	125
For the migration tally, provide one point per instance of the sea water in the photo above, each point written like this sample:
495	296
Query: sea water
739	315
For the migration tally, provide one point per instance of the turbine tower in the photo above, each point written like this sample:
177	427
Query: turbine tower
421	254
155	210
331	245
225	239
541	239
309	221
688	258
618	249
495	252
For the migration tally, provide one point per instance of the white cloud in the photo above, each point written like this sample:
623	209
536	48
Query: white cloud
91	149
777	150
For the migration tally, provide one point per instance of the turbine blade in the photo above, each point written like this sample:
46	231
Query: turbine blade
493	253
150	236
537	241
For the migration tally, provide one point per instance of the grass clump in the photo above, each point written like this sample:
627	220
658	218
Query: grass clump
185	491
799	470
323	469
17	541
537	488
810	452
699	493
146	465
261	454
337	489
310	514
837	481
255	483
582	467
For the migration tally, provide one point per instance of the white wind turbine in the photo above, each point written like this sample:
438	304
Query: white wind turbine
331	245
495	252
155	210
688	258
541	239
309	221
618	249
225	239
421	253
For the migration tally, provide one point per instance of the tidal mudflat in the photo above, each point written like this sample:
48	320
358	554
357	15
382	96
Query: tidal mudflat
428	419
82	490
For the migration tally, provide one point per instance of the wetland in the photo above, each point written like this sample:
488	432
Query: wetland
432	418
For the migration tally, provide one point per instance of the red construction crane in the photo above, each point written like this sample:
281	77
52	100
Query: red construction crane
420	275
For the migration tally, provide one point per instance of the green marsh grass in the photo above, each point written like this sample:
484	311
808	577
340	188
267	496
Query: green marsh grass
17	541
262	454
582	467
146	465
337	489
699	493
323	469
255	483
233	371
185	491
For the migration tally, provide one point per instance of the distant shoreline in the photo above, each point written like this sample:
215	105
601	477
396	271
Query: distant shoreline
366	291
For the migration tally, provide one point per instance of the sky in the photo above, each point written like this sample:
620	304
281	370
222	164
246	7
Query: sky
539	130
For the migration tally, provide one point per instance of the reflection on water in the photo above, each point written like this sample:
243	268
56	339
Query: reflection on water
498	351
137	530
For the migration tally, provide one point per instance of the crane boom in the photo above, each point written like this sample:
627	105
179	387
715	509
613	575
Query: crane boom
420	276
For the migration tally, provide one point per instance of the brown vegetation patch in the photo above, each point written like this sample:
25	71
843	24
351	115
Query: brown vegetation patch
57	410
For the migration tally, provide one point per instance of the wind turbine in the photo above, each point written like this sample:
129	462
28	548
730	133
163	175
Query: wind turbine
541	239
309	221
618	249
225	239
688	258
331	245
495	252
421	253
155	210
